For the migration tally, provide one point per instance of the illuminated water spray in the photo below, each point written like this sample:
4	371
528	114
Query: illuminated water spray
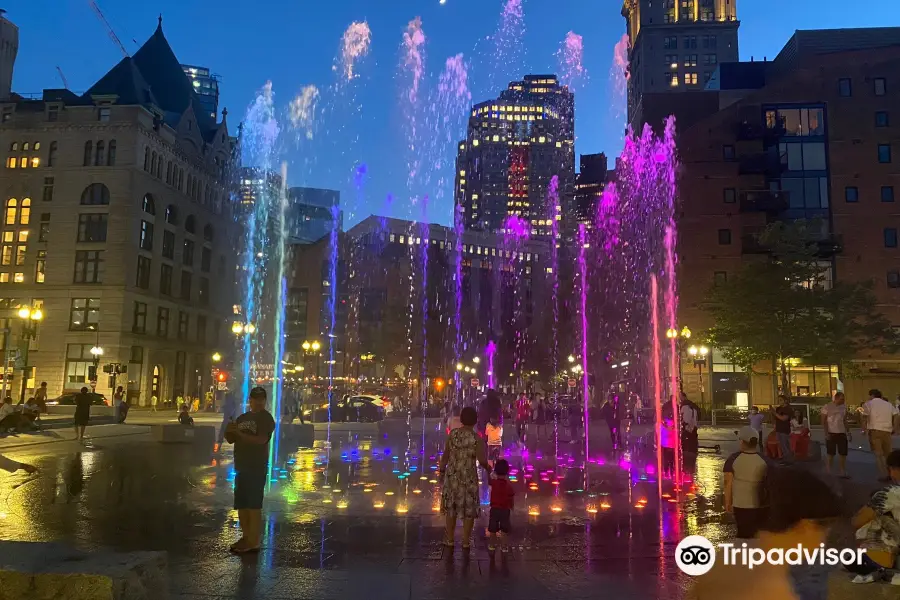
571	60
619	76
583	289
354	45
516	231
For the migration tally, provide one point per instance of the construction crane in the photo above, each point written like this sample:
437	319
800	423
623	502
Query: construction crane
63	77
109	29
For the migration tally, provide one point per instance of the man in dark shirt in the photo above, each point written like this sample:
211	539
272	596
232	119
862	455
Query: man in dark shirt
82	412
250	435
783	428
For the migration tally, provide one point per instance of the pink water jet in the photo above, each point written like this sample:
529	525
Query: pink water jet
413	55
657	383
354	45
571	60
582	271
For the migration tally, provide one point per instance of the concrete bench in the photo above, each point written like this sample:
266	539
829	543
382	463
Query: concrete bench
301	435
176	433
45	571
96	410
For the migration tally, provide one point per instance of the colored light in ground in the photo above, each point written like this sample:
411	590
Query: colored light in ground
423	478
326	487
436	507
556	509
378	504
336	491
534	511
417	491
402	509
367	490
326	501
533	487
605	505
432	481
555	482
643	500
592	509
389	493
639	505
342	504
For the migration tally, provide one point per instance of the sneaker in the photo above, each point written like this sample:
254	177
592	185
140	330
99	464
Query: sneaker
870	578
895	580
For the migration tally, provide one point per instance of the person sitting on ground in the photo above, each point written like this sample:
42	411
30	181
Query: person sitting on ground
184	417
878	528
9	418
31	413
801	510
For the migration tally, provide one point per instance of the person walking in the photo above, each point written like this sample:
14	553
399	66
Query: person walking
82	413
40	397
745	471
834	421
540	418
463	452
153	402
118	400
879	422
690	420
250	434
783	428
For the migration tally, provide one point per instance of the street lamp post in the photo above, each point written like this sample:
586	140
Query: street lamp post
96	352
699	355
681	338
30	317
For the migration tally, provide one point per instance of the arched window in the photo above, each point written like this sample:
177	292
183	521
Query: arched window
51	155
88	153
190	182
208	233
190	224
180	179
26	147
171	215
153	163
25	213
148	205
14	147
11	211
111	154
159	162
100	158
96	193
146	159
169	172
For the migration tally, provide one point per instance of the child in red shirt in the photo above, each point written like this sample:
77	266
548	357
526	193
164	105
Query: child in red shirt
502	494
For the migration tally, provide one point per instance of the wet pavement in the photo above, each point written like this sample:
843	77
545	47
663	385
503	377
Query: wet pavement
357	515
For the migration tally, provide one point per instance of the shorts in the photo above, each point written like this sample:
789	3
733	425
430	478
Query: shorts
880	442
249	489
836	442
82	419
749	521
495	452
499	520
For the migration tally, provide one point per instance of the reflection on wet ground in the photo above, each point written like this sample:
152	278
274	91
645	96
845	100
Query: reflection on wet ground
367	502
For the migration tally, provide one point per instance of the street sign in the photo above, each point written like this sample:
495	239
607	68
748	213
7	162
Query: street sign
475	382
222	385
571	383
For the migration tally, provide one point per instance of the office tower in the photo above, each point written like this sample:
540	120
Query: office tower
206	85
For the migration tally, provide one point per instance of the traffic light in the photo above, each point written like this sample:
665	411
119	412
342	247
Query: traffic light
222	376
438	384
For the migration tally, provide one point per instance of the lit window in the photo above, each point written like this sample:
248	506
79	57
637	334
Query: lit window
11	211
11	162
19	278
475	142
23	162
4	277
23	236
35	162
8	236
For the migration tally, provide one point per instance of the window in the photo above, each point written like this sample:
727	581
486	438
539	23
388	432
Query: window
162	322
670	43
84	314
100	157
204	291
40	265
690	42
884	153
44	228
92	227
201	329
146	159
190	224
169	172
671	61
182	325
139	318
672	78
690	60
78	361
710	41
887	193
185	285
88	266
6	255
12	210
710	59
690	79
96	193
88	153
20	255
724	237
25	212
882	119
103	114
893	279
728	153
168	247
165	280
143	273
845	88
208	233
136	356
730	196
146	236
111	154
187	254
851	194
51	155
880	86
205	259
48	189
148	206
171	215
890	237
719	278
52	113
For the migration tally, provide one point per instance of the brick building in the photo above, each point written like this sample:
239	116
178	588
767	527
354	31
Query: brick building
807	135
117	224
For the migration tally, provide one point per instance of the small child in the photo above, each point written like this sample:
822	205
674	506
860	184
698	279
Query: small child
494	432
756	422
667	443
184	417
502	494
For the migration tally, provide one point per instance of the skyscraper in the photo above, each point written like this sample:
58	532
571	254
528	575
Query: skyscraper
514	145
9	47
206	85
589	185
676	45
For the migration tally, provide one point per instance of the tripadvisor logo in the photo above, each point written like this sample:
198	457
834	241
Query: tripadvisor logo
695	555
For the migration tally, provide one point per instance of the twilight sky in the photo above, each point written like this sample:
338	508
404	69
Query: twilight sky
294	43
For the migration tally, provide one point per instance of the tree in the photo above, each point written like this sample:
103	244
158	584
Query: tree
782	306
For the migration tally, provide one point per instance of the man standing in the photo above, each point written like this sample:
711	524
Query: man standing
40	397
82	413
250	435
879	420
783	428
690	419
745	474
834	420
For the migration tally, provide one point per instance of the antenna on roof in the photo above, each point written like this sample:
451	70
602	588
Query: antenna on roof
109	29
63	77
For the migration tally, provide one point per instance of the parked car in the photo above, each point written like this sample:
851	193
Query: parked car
68	399
357	409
